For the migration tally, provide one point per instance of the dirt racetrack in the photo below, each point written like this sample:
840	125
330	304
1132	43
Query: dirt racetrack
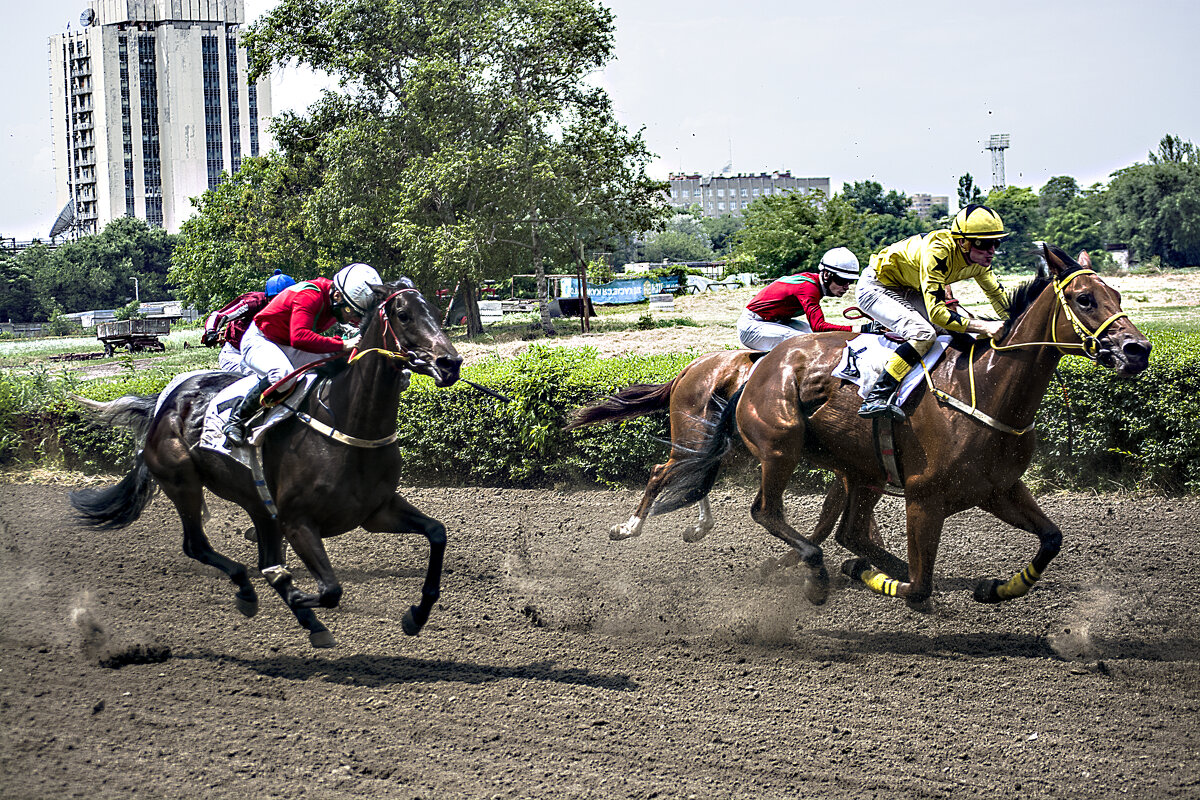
560	664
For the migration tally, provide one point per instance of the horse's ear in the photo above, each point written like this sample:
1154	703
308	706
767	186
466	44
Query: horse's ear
1043	256
1084	259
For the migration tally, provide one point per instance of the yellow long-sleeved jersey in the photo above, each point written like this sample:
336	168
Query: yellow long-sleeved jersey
929	262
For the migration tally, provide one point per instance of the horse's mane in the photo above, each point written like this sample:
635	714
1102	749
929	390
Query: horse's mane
1022	297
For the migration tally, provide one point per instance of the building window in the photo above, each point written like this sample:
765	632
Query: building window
720	192
151	163
126	123
235	128
685	194
252	104
721	206
212	108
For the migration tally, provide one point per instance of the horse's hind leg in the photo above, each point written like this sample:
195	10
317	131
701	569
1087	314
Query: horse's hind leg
633	526
858	533
1018	508
401	516
189	502
768	511
831	511
272	554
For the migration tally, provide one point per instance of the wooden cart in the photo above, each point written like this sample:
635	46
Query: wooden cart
132	334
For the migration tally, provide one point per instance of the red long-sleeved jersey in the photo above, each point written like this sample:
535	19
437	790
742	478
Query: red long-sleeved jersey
294	316
793	296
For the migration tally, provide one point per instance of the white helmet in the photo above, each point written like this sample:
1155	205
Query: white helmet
841	262
355	282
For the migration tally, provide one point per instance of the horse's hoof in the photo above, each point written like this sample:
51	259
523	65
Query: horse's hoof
619	533
853	568
694	533
321	639
409	622
923	605
985	592
248	606
816	587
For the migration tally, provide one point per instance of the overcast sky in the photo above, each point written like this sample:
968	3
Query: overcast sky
903	93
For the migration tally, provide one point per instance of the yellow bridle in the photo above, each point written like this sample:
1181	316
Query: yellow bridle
1089	343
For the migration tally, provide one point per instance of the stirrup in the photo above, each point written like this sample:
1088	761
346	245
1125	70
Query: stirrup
873	407
235	434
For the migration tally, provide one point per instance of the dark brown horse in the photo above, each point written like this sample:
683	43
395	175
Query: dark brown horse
695	399
324	483
949	460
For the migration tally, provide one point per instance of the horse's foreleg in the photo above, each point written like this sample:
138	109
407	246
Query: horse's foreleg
924	526
768	511
189	502
401	516
1018	508
272	554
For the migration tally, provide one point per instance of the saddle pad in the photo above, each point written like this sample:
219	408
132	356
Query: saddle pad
864	358
221	406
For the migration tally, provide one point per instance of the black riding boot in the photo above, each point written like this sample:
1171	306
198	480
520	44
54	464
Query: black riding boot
235	428
881	400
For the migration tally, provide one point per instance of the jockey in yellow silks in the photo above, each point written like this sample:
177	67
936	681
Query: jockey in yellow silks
905	289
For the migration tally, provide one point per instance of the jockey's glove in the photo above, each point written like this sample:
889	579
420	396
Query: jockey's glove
874	326
351	342
991	328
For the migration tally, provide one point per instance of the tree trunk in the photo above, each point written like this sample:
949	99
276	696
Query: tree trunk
543	289
585	320
471	303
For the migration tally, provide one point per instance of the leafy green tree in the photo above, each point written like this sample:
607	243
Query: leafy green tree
1018	207
868	197
1155	208
721	231
470	143
251	224
968	192
789	233
17	300
1079	223
937	212
98	271
1058	192
685	239
1174	150
881	230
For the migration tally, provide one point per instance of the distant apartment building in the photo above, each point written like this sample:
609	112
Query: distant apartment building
150	103
718	195
922	204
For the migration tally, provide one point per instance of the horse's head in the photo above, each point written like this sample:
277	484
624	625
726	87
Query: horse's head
1093	310
402	321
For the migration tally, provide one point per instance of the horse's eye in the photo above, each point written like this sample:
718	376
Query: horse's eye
1085	300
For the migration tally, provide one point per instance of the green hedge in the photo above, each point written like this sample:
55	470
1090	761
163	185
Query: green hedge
1141	433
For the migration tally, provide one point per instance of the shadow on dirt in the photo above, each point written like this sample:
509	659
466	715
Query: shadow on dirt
377	671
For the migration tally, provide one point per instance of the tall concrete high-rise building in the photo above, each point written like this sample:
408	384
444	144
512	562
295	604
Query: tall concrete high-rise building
150	103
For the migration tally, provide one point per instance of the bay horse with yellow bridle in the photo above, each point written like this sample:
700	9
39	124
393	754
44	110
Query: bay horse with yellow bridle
330	468
965	442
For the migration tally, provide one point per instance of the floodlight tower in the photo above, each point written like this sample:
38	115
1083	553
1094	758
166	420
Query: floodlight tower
997	145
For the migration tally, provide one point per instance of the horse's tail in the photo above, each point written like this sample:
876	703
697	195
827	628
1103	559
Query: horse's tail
696	473
634	401
131	411
119	505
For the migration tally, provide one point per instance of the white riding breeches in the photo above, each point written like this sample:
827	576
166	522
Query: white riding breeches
270	360
901	310
230	360
759	334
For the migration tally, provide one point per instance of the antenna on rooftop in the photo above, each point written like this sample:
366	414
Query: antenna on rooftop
997	144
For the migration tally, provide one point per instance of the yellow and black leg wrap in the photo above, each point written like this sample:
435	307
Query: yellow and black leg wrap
879	583
1020	584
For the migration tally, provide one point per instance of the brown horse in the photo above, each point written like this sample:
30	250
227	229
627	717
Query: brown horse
328	474
949	461
695	399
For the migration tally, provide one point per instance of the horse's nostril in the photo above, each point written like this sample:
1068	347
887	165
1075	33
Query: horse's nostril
1136	350
448	364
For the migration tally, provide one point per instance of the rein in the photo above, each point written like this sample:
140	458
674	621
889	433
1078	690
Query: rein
1089	344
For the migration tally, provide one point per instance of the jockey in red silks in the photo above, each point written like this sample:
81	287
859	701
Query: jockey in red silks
791	306
288	333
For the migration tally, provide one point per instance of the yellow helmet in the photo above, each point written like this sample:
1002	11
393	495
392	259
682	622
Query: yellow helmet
978	222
